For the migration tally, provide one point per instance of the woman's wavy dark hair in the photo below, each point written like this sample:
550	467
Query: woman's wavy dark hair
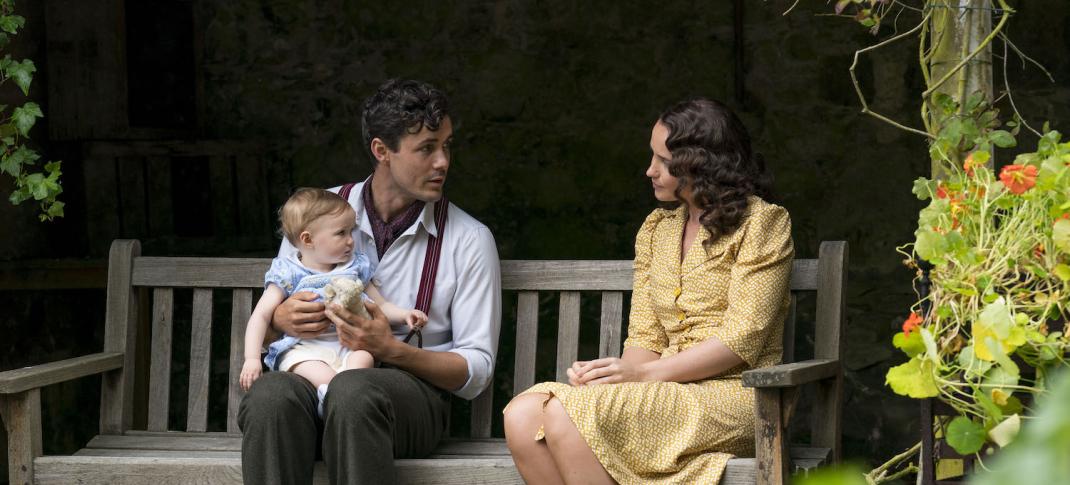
711	154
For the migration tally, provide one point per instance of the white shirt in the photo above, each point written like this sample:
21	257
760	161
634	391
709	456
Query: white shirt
465	313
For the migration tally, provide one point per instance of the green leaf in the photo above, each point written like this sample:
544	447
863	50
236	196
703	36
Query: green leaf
12	163
11	23
971	363
965	436
912	345
22	74
1003	139
998	377
930	345
25	116
1061	235
929	245
914	379
924	188
1062	271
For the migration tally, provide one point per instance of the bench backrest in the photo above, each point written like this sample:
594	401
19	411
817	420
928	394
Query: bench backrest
240	277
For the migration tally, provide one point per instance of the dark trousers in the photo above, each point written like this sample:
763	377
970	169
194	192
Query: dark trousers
371	417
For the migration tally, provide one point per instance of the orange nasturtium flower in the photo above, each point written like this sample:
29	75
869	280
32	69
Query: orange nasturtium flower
969	164
912	322
1018	178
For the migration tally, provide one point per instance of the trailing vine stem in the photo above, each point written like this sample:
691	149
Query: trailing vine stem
858	87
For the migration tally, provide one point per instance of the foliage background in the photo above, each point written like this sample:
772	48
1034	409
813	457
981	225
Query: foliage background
555	101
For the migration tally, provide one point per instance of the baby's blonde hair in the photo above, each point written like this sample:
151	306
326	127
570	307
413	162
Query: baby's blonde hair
307	205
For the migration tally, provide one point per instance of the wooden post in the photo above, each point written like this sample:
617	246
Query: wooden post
120	335
957	28
828	344
770	439
22	421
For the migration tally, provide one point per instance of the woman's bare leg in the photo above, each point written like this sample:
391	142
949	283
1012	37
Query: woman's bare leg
523	417
573	456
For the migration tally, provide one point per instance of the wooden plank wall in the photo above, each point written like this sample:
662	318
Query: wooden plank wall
132	191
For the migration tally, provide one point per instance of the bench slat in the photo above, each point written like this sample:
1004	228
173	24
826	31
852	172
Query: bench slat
481	412
117	470
200	272
133	466
527	334
789	331
567	275
240	308
200	354
559	275
160	367
568	332
609	328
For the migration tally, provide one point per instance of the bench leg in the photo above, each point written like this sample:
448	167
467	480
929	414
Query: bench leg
825	422
22	421
771	441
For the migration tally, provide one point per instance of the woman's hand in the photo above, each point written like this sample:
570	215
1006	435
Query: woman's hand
609	370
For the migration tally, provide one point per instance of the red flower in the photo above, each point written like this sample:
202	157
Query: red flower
1018	178
912	322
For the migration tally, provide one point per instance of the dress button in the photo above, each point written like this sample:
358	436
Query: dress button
677	291
680	316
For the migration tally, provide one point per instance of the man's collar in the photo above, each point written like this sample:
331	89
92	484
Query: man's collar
426	217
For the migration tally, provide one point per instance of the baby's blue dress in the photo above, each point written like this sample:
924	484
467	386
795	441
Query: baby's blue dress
291	276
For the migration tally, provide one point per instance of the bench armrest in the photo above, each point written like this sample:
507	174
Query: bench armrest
794	374
38	376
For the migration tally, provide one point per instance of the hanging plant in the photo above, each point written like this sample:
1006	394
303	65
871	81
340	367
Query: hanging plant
16	158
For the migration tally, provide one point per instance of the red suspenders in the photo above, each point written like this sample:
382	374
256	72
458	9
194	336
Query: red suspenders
431	257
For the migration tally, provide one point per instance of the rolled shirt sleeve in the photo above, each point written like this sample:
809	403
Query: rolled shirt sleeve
476	310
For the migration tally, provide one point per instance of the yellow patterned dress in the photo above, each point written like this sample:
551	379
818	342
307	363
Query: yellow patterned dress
736	291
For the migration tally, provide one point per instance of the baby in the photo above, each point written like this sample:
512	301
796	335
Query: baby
320	225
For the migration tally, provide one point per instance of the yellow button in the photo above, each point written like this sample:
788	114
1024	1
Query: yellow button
680	316
677	291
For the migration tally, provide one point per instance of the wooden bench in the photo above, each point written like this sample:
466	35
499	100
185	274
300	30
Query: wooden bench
161	455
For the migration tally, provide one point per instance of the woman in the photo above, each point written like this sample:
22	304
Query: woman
709	299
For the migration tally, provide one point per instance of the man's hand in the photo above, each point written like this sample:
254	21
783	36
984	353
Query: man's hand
372	335
299	316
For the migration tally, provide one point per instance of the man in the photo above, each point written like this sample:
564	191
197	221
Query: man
400	409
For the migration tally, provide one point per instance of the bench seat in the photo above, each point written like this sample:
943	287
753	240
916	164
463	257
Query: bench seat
172	458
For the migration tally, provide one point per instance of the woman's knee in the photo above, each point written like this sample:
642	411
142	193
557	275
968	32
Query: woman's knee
523	413
556	422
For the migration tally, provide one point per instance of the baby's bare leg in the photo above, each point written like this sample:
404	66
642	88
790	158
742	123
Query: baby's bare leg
360	359
316	371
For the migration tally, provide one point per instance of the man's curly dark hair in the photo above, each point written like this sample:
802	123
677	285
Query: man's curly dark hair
400	107
711	154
